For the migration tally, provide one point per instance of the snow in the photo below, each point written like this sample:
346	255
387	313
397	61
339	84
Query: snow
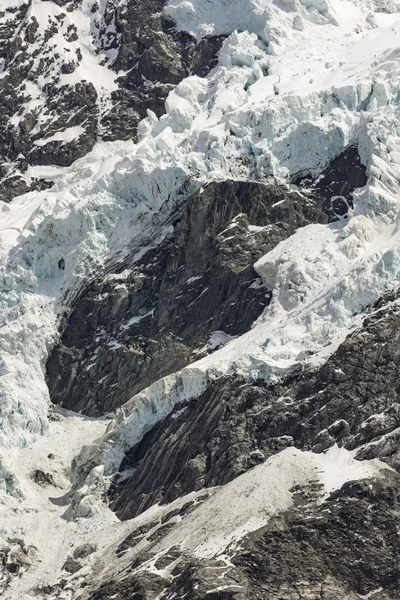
217	339
299	83
67	135
137	319
212	17
94	64
247	503
52	534
216	526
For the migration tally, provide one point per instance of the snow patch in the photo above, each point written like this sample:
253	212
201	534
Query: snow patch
67	135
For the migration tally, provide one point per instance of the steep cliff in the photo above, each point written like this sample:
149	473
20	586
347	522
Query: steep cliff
199	300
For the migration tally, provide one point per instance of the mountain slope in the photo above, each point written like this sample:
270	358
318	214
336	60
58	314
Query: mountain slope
213	284
78	72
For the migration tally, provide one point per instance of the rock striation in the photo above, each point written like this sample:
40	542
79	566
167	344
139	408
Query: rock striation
180	300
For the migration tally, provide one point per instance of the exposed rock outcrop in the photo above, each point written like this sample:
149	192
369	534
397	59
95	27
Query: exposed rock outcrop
343	546
187	296
190	294
15	558
64	87
352	400
337	182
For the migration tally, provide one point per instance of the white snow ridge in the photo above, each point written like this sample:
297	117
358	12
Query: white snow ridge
297	82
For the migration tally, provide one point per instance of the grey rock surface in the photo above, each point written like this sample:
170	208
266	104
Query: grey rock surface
345	546
38	103
352	401
185	297
155	315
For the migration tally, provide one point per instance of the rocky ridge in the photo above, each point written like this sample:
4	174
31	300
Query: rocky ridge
296	556
327	544
77	72
351	401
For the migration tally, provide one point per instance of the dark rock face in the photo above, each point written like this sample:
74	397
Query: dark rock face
15	558
337	182
30	58
131	588
71	565
349	542
42	478
152	317
155	59
346	546
84	551
37	101
352	400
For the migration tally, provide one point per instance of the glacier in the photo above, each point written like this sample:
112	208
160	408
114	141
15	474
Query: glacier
296	84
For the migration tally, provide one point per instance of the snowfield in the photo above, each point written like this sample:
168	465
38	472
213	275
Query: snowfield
297	82
91	67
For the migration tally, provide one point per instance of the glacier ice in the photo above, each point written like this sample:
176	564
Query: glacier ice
294	87
297	82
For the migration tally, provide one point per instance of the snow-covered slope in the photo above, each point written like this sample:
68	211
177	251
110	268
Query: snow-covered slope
75	72
323	277
297	83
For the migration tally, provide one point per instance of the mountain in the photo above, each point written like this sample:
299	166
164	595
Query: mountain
199	298
75	72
